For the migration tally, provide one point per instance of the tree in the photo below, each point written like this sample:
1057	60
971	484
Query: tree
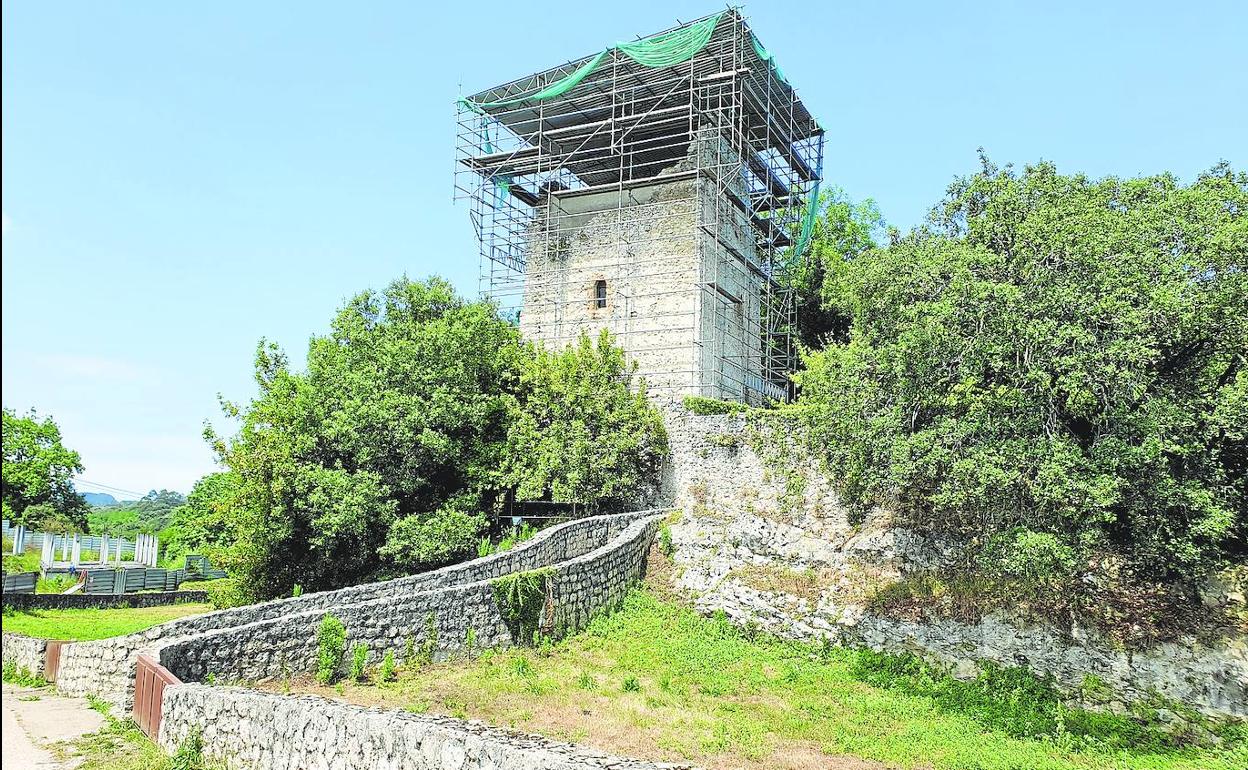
38	470
844	231
1053	355
204	524
581	431
385	453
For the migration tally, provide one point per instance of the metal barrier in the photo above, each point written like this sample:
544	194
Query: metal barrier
21	582
150	681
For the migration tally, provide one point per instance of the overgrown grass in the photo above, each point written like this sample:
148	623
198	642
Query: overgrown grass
56	584
88	624
658	681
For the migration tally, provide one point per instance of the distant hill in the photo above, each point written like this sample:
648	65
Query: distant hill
96	499
150	514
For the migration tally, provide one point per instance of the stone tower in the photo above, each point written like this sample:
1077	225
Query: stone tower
659	189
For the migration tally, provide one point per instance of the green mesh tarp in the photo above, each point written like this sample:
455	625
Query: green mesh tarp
663	50
666	49
766	56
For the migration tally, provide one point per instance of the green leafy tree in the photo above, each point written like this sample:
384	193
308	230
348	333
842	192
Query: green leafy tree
205	523
414	418
844	231
38	470
384	454
1053	355
582	429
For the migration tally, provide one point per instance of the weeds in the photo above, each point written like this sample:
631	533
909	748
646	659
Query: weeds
359	658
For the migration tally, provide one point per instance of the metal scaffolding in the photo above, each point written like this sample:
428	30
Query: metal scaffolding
662	203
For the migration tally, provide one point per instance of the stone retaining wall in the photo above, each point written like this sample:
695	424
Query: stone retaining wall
771	544
264	731
25	653
106	667
443	620
81	601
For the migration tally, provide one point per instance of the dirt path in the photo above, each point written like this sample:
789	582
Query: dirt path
35	718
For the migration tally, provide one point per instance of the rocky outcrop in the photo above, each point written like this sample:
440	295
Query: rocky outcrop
769	543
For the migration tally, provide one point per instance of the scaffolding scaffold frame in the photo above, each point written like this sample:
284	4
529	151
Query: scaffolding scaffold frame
715	158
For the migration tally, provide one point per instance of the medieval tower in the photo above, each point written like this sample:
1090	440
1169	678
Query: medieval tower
660	189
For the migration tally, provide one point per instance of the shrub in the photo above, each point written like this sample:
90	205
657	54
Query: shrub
359	658
1035	559
223	593
631	684
665	541
386	673
331	643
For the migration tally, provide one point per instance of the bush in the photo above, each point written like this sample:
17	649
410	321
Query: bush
1055	354
223	593
331	644
387	671
359	658
1035	559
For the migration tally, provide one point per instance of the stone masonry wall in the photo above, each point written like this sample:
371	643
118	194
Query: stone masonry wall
106	667
262	731
443	618
25	653
773	545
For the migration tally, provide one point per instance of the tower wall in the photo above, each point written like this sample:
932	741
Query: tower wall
684	304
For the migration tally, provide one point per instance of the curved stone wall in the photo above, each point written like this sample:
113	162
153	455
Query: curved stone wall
264	731
443	619
105	668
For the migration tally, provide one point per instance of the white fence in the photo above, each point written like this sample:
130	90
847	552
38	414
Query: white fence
144	549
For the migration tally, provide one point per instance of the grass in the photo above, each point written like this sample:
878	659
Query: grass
80	625
120	745
658	681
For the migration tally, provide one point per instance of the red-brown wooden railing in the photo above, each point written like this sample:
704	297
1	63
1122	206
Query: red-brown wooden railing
150	681
52	660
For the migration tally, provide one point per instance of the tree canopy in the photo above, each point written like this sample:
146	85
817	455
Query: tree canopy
385	454
37	474
1052	355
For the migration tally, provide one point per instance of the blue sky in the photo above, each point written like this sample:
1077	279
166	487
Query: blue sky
180	179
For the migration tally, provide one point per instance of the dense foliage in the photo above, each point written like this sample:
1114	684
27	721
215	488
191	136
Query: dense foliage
203	524
416	415
843	231
574	440
37	475
1053	362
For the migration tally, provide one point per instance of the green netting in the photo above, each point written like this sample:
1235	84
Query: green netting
808	224
663	50
766	56
672	48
